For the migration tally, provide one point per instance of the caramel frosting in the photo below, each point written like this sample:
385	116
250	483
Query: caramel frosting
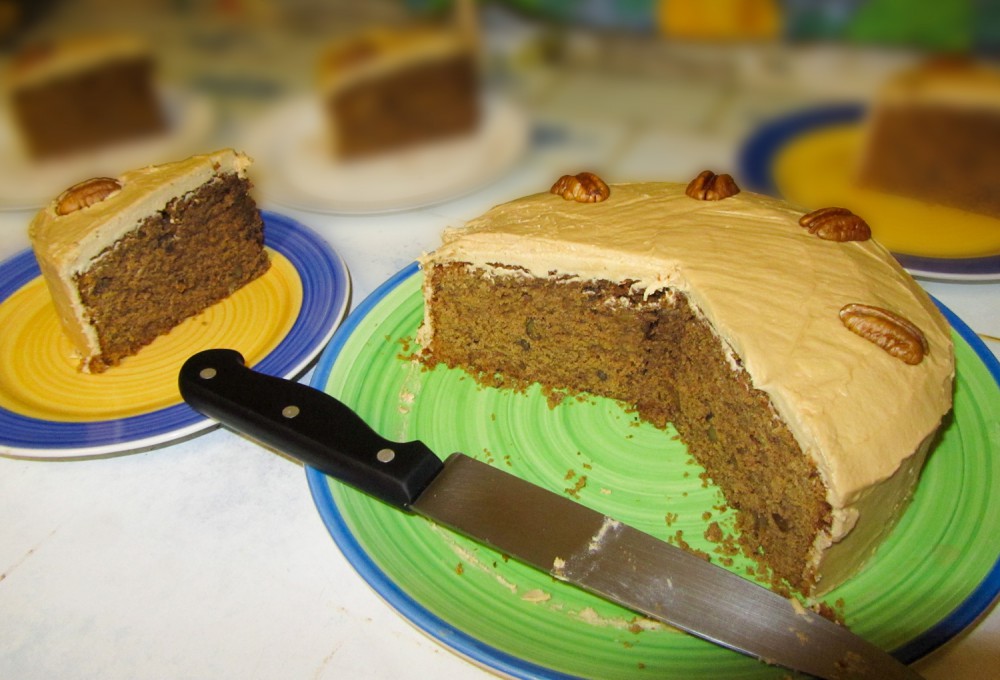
66	56
953	83
772	291
66	245
383	50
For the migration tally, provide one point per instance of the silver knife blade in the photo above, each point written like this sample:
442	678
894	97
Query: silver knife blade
643	573
536	526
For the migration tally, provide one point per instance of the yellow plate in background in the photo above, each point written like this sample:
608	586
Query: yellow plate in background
810	157
818	169
48	409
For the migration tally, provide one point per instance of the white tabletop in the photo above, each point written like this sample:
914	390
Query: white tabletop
208	559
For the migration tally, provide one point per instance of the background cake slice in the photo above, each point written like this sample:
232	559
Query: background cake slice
803	368
933	134
392	88
81	93
128	258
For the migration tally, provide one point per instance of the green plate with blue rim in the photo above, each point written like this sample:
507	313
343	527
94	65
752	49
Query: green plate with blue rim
937	572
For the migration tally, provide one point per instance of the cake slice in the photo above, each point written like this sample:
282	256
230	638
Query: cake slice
803	368
393	88
932	135
128	258
84	93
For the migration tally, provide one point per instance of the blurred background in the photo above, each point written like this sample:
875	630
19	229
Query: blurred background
632	89
556	56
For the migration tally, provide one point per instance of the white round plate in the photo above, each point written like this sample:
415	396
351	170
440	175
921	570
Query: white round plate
296	167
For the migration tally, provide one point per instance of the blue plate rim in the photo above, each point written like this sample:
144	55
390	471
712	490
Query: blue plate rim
757	154
950	626
325	297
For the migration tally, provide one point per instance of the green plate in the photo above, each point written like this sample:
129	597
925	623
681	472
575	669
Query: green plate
937	571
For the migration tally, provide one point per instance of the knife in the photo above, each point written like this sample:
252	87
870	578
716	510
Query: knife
533	525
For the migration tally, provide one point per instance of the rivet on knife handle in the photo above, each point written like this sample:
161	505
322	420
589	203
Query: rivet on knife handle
307	424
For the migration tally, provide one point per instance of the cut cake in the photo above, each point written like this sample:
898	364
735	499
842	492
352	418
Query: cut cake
801	365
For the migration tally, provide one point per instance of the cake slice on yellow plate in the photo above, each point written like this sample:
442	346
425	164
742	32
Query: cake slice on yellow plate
128	258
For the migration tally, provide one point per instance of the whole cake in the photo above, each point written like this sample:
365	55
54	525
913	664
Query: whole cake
82	93
128	258
932	135
800	364
393	88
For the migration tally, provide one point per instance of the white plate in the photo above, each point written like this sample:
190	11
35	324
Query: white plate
26	183
295	167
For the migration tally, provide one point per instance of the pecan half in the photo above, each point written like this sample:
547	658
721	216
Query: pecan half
836	224
893	333
708	186
86	194
585	187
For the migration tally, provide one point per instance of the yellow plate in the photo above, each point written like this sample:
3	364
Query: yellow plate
49	409
811	158
38	365
818	169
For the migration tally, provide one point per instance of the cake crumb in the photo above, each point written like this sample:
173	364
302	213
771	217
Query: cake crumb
536	595
828	612
554	397
678	540
575	490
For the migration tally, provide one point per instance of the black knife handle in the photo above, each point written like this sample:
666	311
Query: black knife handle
306	424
